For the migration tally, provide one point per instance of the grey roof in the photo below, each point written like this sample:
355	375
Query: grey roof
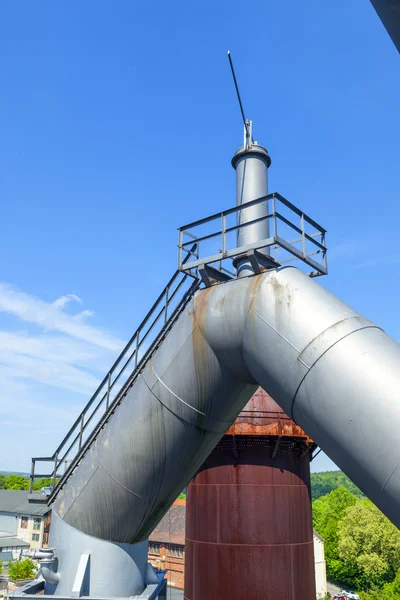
5	534
16	501
10	499
32	509
13	542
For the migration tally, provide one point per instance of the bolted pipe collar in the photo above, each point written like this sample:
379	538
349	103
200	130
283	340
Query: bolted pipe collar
253	151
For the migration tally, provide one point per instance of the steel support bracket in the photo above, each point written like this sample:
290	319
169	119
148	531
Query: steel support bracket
211	276
260	262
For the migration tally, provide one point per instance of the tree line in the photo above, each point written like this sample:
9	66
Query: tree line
362	547
19	482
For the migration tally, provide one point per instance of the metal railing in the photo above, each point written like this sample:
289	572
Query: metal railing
118	380
304	248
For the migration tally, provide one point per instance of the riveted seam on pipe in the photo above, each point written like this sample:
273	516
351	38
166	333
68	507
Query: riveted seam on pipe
116	480
280	335
319	358
177	416
390	476
76	497
318	345
175	395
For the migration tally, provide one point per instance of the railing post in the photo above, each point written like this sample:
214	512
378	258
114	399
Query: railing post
223	234
137	348
275	226
274	215
180	249
324	251
303	238
81	431
53	483
32	476
108	390
166	305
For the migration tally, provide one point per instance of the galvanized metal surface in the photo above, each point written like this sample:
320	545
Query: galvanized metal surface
176	411
114	570
333	371
248	525
320	360
389	14
251	163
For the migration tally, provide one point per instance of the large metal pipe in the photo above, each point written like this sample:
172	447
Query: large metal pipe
321	361
334	372
251	163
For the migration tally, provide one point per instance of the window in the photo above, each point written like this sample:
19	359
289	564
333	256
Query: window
35	537
36	524
24	522
175	550
154	548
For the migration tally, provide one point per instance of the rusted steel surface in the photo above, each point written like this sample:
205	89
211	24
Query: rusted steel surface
248	516
262	416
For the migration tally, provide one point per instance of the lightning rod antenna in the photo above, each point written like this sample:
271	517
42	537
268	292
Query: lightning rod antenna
247	124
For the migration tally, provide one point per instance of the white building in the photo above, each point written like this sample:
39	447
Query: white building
320	565
23	525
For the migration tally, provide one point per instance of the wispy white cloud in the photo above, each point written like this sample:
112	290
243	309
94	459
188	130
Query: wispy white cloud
48	371
52	317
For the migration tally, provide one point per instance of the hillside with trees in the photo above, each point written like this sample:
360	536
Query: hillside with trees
325	482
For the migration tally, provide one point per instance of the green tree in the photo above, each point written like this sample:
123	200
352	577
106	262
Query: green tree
327	513
41	483
369	545
325	482
390	591
23	569
2	481
16	482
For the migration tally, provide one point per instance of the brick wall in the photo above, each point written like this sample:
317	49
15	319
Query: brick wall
171	557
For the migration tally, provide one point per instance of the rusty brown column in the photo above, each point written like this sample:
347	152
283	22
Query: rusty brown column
248	512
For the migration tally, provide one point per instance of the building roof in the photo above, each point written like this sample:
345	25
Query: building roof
10	499
171	529
16	501
13	542
316	534
5	534
32	510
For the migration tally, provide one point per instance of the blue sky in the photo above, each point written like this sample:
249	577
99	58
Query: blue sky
117	124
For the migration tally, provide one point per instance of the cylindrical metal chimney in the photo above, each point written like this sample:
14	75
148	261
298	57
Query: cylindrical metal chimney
248	512
251	163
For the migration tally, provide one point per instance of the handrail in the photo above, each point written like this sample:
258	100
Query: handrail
110	393
239	207
312	241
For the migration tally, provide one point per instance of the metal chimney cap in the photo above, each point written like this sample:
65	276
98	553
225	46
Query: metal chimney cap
255	151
